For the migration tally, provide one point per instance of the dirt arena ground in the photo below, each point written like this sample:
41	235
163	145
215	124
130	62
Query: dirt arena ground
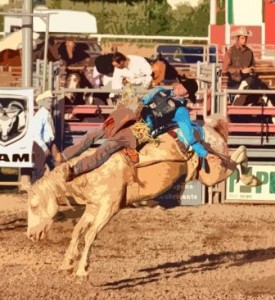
209	252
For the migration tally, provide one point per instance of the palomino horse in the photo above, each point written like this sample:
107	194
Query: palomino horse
117	183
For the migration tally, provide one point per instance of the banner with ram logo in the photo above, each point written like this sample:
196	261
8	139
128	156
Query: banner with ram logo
16	112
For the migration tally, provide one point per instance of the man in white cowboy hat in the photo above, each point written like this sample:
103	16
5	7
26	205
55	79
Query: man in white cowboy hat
239	66
239	62
44	148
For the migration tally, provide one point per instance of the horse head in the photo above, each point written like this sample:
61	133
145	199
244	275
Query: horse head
163	71
72	82
41	210
44	198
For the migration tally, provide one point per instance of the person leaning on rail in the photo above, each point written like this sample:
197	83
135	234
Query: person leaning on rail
135	69
44	148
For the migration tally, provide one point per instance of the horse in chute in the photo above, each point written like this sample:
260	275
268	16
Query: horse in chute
118	183
76	80
162	71
255	99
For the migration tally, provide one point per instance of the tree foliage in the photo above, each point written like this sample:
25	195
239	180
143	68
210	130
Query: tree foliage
1	20
143	17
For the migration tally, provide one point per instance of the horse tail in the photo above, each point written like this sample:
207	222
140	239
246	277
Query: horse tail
219	124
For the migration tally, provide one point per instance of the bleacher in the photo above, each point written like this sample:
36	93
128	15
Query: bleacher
75	128
213	98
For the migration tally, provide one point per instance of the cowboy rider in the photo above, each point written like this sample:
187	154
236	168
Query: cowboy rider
168	105
164	106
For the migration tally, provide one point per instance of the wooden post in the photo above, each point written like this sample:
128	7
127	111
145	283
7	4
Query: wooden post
27	30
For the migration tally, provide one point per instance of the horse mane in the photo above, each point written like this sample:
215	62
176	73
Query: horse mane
51	185
219	124
170	72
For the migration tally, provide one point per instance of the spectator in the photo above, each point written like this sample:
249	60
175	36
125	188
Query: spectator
239	62
103	70
44	148
72	53
135	69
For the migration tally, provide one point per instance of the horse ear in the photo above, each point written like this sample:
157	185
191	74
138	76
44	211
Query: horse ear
181	77
114	49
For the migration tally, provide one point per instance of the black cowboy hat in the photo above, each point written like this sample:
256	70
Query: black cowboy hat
191	86
104	65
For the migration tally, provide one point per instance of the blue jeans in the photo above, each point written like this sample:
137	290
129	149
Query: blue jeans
182	119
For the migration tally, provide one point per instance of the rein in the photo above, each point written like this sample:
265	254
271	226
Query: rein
263	122
145	164
230	164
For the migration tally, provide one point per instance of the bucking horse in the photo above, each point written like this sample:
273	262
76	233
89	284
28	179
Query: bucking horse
118	182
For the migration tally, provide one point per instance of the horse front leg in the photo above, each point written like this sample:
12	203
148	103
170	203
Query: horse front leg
106	211
239	156
72	251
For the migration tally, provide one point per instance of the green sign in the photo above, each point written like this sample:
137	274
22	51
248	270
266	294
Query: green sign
237	191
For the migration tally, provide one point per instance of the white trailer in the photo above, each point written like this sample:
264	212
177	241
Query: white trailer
60	21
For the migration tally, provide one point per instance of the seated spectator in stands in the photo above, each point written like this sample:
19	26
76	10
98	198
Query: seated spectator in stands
239	61
132	68
239	65
44	148
72	53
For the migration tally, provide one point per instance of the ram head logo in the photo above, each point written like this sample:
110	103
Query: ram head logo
13	119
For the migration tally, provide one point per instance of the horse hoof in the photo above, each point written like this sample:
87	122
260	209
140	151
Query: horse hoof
256	181
65	271
66	268
251	180
82	274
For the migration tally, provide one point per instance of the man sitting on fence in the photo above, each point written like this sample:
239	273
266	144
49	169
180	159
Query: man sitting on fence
239	65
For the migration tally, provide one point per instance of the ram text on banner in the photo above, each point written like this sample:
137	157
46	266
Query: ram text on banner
16	113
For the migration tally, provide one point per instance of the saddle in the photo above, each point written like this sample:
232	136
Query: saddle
185	150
